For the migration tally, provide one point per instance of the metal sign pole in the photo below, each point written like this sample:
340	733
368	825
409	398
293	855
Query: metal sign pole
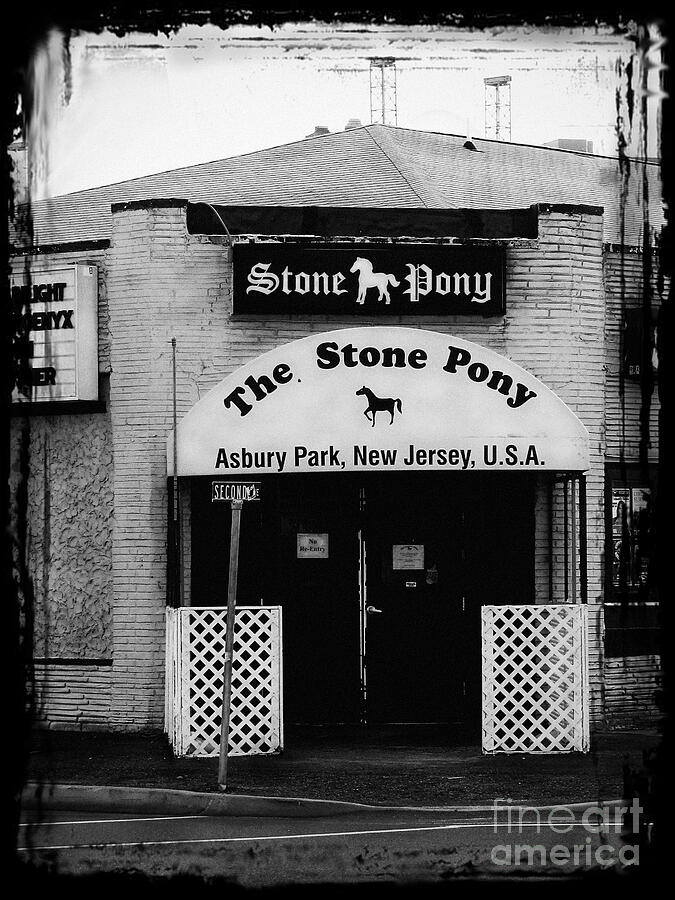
229	643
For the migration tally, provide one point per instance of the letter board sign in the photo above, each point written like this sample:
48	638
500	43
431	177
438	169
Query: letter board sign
55	319
406	279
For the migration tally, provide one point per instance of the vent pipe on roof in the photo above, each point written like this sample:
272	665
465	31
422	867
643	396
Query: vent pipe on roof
468	143
318	131
579	145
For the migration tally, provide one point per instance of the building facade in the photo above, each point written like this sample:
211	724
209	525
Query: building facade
248	336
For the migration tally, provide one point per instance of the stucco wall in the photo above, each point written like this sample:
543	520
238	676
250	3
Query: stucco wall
69	532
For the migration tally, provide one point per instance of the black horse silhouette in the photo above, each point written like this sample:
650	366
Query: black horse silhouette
379	404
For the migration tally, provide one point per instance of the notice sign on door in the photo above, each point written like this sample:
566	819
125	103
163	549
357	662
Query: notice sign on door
408	556
312	546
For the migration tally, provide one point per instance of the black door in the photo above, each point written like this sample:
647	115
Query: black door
417	645
319	593
438	547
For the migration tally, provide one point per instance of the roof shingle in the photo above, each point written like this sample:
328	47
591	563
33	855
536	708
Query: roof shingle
377	166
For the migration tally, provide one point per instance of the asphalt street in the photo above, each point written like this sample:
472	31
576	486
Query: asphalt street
397	847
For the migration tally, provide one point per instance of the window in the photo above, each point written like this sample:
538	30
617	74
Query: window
631	539
631	610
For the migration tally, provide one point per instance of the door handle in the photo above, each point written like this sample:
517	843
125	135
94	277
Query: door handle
373	609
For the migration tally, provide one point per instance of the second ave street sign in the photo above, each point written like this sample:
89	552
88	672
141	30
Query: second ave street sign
405	279
235	490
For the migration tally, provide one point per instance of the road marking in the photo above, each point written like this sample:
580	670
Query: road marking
109	821
281	837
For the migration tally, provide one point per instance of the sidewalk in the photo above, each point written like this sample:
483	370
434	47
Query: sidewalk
385	766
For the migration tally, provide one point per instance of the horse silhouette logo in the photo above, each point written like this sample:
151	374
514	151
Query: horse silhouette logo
379	404
368	279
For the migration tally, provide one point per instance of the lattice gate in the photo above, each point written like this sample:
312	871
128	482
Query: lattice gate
535	681
195	644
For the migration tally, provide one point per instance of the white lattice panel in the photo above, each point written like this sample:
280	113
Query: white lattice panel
198	647
534	679
171	674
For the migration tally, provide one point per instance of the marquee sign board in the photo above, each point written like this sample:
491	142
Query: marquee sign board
404	279
383	398
55	316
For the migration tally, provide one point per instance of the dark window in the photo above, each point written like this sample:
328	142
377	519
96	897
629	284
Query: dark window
631	538
631	610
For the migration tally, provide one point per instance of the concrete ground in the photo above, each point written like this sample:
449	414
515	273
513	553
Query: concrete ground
384	765
402	847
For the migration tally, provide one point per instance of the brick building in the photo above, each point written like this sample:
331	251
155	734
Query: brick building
412	546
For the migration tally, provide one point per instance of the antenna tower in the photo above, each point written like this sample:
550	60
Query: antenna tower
498	107
383	90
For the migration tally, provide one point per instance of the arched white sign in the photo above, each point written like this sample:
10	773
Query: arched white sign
379	399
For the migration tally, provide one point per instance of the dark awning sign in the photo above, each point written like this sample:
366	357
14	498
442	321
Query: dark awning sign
366	279
235	490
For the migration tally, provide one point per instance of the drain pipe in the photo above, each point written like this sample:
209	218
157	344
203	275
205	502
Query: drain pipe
573	485
583	539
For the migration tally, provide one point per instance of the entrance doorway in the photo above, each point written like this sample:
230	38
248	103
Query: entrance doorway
437	548
383	625
418	636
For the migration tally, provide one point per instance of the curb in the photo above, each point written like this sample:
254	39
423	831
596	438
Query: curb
158	801
86	798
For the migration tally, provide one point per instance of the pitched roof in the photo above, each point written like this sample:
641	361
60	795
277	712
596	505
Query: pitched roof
377	166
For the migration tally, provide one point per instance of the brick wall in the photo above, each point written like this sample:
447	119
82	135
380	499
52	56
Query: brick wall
73	697
164	283
556	331
631	685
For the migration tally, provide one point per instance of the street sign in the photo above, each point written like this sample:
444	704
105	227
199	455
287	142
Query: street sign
235	490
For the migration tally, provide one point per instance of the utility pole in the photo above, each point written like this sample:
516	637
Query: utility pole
229	644
383	90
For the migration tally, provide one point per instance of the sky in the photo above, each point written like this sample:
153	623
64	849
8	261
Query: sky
147	103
